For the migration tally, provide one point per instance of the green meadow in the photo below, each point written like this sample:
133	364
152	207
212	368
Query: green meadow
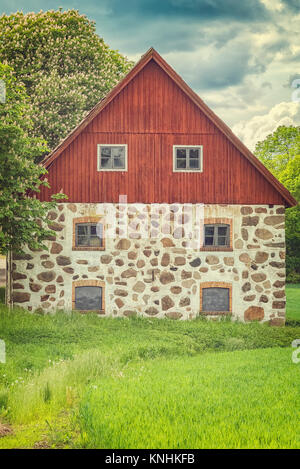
293	302
80	381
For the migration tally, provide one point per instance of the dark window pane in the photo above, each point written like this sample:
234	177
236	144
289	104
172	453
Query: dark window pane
209	230
82	234
215	299
88	298
209	240
119	157
222	230
180	164
181	153
119	162
194	164
194	153
82	229
223	235
106	151
105	163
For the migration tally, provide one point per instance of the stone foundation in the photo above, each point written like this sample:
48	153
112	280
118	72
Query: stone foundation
160	274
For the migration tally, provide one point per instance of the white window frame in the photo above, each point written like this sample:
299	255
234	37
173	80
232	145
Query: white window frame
99	145
188	170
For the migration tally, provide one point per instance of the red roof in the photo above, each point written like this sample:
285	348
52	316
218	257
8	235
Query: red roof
152	54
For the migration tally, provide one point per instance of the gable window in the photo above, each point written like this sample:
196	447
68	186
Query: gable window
88	295
112	157
88	234
216	235
215	298
187	158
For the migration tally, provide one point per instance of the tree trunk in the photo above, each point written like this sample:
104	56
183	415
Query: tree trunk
8	289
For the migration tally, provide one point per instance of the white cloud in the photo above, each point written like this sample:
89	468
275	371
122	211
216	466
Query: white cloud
258	127
273	4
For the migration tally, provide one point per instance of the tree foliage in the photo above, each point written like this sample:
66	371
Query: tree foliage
65	66
280	153
23	219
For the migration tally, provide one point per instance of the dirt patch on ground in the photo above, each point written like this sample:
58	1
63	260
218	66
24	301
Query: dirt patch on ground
41	445
4	430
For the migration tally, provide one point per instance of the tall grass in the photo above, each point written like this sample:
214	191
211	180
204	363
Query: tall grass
247	399
59	386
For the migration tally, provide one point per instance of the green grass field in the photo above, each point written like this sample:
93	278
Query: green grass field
74	381
226	400
293	302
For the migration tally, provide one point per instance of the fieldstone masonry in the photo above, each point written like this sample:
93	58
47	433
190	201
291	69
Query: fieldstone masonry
160	275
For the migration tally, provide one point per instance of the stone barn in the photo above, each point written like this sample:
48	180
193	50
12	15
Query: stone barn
168	213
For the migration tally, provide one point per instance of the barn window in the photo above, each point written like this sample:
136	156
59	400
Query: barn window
187	158
88	298
88	234
88	295
216	235
112	157
215	298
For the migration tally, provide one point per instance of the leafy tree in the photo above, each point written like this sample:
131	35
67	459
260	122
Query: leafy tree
23	219
290	176
65	66
280	153
279	148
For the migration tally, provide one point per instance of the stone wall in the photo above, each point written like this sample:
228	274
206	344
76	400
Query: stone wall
160	275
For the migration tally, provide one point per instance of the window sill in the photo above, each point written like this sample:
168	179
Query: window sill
187	171
87	248
216	248
83	311
215	313
112	170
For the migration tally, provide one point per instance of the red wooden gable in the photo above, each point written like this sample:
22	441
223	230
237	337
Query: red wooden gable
151	110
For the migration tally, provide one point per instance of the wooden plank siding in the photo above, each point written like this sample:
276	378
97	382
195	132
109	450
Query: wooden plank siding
150	115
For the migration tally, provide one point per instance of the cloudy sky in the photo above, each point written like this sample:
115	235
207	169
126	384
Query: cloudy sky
241	57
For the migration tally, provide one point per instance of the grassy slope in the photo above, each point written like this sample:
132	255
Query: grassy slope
33	340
